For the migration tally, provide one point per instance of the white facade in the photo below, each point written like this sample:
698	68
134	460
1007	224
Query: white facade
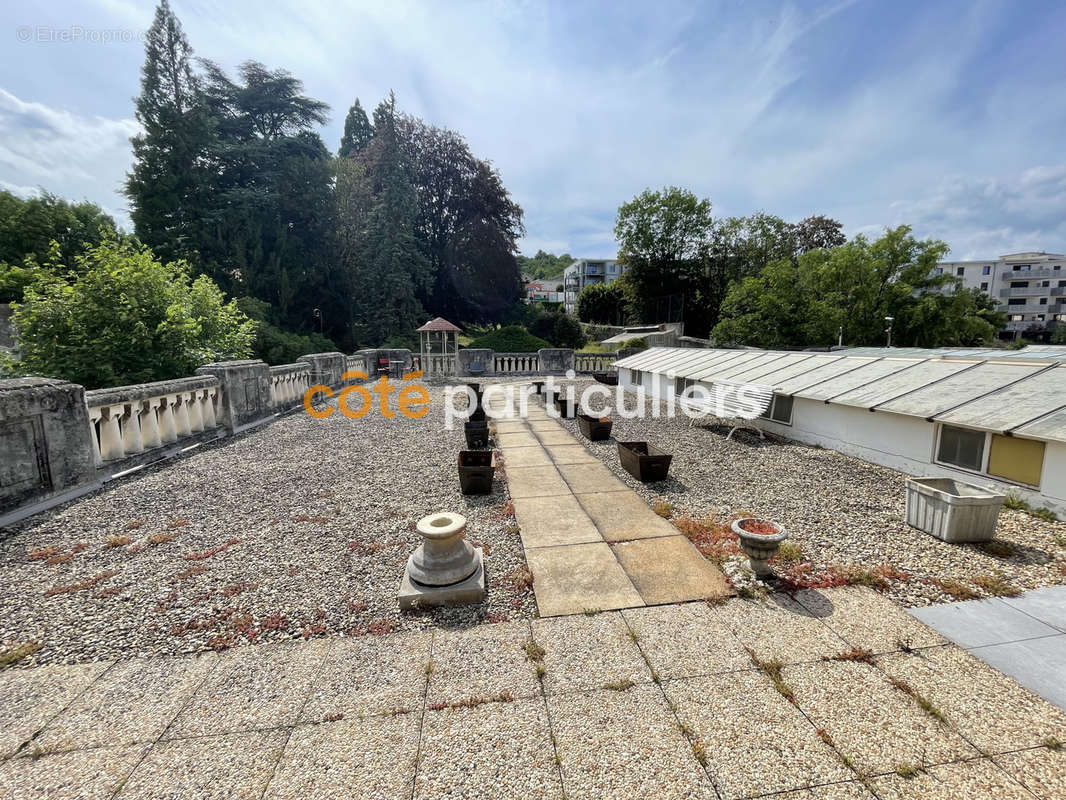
1029	287
586	271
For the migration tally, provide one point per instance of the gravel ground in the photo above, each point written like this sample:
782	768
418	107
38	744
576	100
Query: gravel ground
841	511
298	529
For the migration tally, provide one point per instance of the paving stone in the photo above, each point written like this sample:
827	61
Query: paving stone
764	745
509	426
1048	605
251	688
570	454
79	775
535	482
496	751
523	439
782	629
29	698
985	706
867	619
235	766
584	478
670	569
588	652
624	745
1037	664
979	778
852	790
686	640
372	758
623	515
876	725
575	578
371	675
560	436
132	702
526	457
482	662
976	623
548	521
1041	770
545	424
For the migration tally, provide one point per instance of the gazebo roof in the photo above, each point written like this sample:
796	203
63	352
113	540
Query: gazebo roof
439	324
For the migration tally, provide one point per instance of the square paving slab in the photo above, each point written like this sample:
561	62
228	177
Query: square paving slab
588	652
535	482
520	439
765	746
495	751
584	478
975	623
570	454
624	744
1048	605
132	702
1037	664
571	579
509	426
623	515
782	629
686	640
526	457
560	436
1041	770
549	521
873	723
79	775
481	663
670	569
985	706
832	791
252	687
371	675
237	766
979	778
868	620
29	698
358	759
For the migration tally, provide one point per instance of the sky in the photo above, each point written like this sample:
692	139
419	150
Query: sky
948	116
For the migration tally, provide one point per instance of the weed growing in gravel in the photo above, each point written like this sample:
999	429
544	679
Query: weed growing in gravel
925	703
161	538
177	523
521	578
591	612
9	657
534	652
335	717
214	551
115	540
619	685
474	702
807	576
80	586
43	553
772	670
996	585
663	508
859	654
274	622
428	670
907	771
905	646
134	524
714	540
1051	743
1015	502
62	558
953	588
1059	539
191	572
997	548
787	552
699	752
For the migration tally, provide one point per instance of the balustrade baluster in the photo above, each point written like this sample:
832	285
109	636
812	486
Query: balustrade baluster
131	429
168	430
150	424
111	434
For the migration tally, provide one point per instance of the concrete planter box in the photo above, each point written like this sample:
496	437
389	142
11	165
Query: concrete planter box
476	468
594	429
951	510
607	378
538	387
478	414
477	435
759	547
567	409
644	461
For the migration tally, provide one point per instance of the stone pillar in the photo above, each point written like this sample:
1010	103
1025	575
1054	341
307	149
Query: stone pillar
555	360
47	454
245	387
326	368
483	358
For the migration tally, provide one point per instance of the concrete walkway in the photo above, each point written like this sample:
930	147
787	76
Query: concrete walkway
591	542
1023	636
738	700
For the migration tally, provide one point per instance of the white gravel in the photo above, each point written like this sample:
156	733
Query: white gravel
315	521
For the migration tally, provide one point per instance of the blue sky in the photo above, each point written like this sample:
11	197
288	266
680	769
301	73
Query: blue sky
945	115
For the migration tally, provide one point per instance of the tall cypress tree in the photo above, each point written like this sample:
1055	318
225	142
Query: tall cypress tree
357	131
164	185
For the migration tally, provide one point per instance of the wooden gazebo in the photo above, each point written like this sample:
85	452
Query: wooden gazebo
439	342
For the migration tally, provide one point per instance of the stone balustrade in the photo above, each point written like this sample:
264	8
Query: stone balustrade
515	363
437	365
593	362
129	420
288	382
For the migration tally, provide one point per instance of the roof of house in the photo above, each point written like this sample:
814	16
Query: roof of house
1012	392
439	324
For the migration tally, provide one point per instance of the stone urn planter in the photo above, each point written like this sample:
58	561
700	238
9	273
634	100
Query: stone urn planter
760	540
607	378
567	408
476	468
445	569
594	429
644	461
951	510
477	434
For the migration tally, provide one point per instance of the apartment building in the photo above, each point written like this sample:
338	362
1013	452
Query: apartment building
584	272
1029	287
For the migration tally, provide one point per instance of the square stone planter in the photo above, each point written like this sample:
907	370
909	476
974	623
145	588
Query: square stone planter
644	461
476	468
477	435
608	378
951	510
594	429
567	409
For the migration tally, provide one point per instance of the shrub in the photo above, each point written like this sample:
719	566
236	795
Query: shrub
510	339
638	343
276	346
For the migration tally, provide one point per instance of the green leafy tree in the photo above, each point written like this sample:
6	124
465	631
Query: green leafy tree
603	303
544	265
358	131
567	332
29	226
274	345
126	318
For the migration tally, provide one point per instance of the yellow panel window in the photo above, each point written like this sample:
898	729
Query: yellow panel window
1018	460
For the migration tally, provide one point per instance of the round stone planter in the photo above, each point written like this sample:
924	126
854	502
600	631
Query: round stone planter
445	556
759	547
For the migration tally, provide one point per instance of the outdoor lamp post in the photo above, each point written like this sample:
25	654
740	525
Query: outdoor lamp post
888	330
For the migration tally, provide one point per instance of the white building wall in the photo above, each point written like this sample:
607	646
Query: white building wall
898	441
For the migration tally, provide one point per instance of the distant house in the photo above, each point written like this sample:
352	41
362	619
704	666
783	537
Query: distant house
585	271
544	290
